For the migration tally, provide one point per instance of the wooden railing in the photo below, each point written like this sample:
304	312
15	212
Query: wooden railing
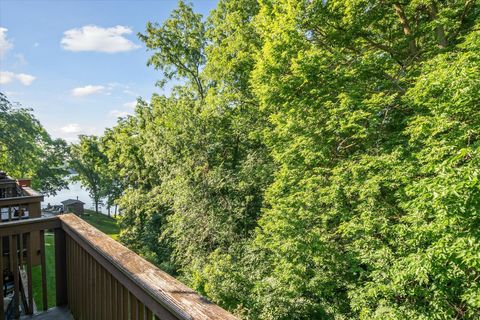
17	255
95	276
25	204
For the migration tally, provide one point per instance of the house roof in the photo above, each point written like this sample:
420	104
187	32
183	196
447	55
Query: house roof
71	201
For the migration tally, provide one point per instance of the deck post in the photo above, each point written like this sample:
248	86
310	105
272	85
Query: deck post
44	271
2	316
60	268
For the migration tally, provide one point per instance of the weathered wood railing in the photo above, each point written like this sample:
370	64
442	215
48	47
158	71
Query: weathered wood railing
97	277
26	205
18	255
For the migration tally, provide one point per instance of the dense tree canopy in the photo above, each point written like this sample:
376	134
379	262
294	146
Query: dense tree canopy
316	160
28	151
91	167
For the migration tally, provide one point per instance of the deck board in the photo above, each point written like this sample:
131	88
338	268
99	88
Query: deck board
57	313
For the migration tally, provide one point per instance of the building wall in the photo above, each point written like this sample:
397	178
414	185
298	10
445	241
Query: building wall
76	208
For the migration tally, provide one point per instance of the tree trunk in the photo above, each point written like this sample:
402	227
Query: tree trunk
441	37
115	212
406	28
96	205
108	208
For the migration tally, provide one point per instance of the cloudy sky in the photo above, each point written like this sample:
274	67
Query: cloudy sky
79	64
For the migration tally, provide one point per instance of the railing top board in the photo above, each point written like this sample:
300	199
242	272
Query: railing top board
28	225
11	201
181	301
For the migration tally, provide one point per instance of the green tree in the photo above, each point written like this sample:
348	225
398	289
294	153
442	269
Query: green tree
27	150
90	165
316	159
178	45
334	240
198	153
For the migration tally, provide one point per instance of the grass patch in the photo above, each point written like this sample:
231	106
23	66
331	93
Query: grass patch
37	274
102	222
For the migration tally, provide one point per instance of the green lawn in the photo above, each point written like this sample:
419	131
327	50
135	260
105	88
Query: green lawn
102	222
37	274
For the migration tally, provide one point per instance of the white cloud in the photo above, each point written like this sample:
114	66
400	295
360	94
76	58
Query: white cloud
130	105
119	113
25	79
71	128
87	90
93	38
36	44
71	131
5	44
7	77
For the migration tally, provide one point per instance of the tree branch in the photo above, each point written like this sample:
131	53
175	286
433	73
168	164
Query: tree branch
440	31
406	28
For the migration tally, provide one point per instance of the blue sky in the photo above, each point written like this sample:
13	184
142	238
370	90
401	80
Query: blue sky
79	64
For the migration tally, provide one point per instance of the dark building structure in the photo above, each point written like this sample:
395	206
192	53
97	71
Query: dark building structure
73	206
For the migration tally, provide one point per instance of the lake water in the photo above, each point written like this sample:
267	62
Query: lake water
74	190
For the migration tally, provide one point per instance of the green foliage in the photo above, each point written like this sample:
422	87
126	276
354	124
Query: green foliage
355	227
195	160
50	271
178	46
28	151
91	167
106	224
319	160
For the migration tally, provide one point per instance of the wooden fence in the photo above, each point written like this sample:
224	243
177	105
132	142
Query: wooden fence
95	276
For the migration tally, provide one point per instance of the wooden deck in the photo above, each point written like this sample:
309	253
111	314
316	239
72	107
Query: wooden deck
58	313
95	276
